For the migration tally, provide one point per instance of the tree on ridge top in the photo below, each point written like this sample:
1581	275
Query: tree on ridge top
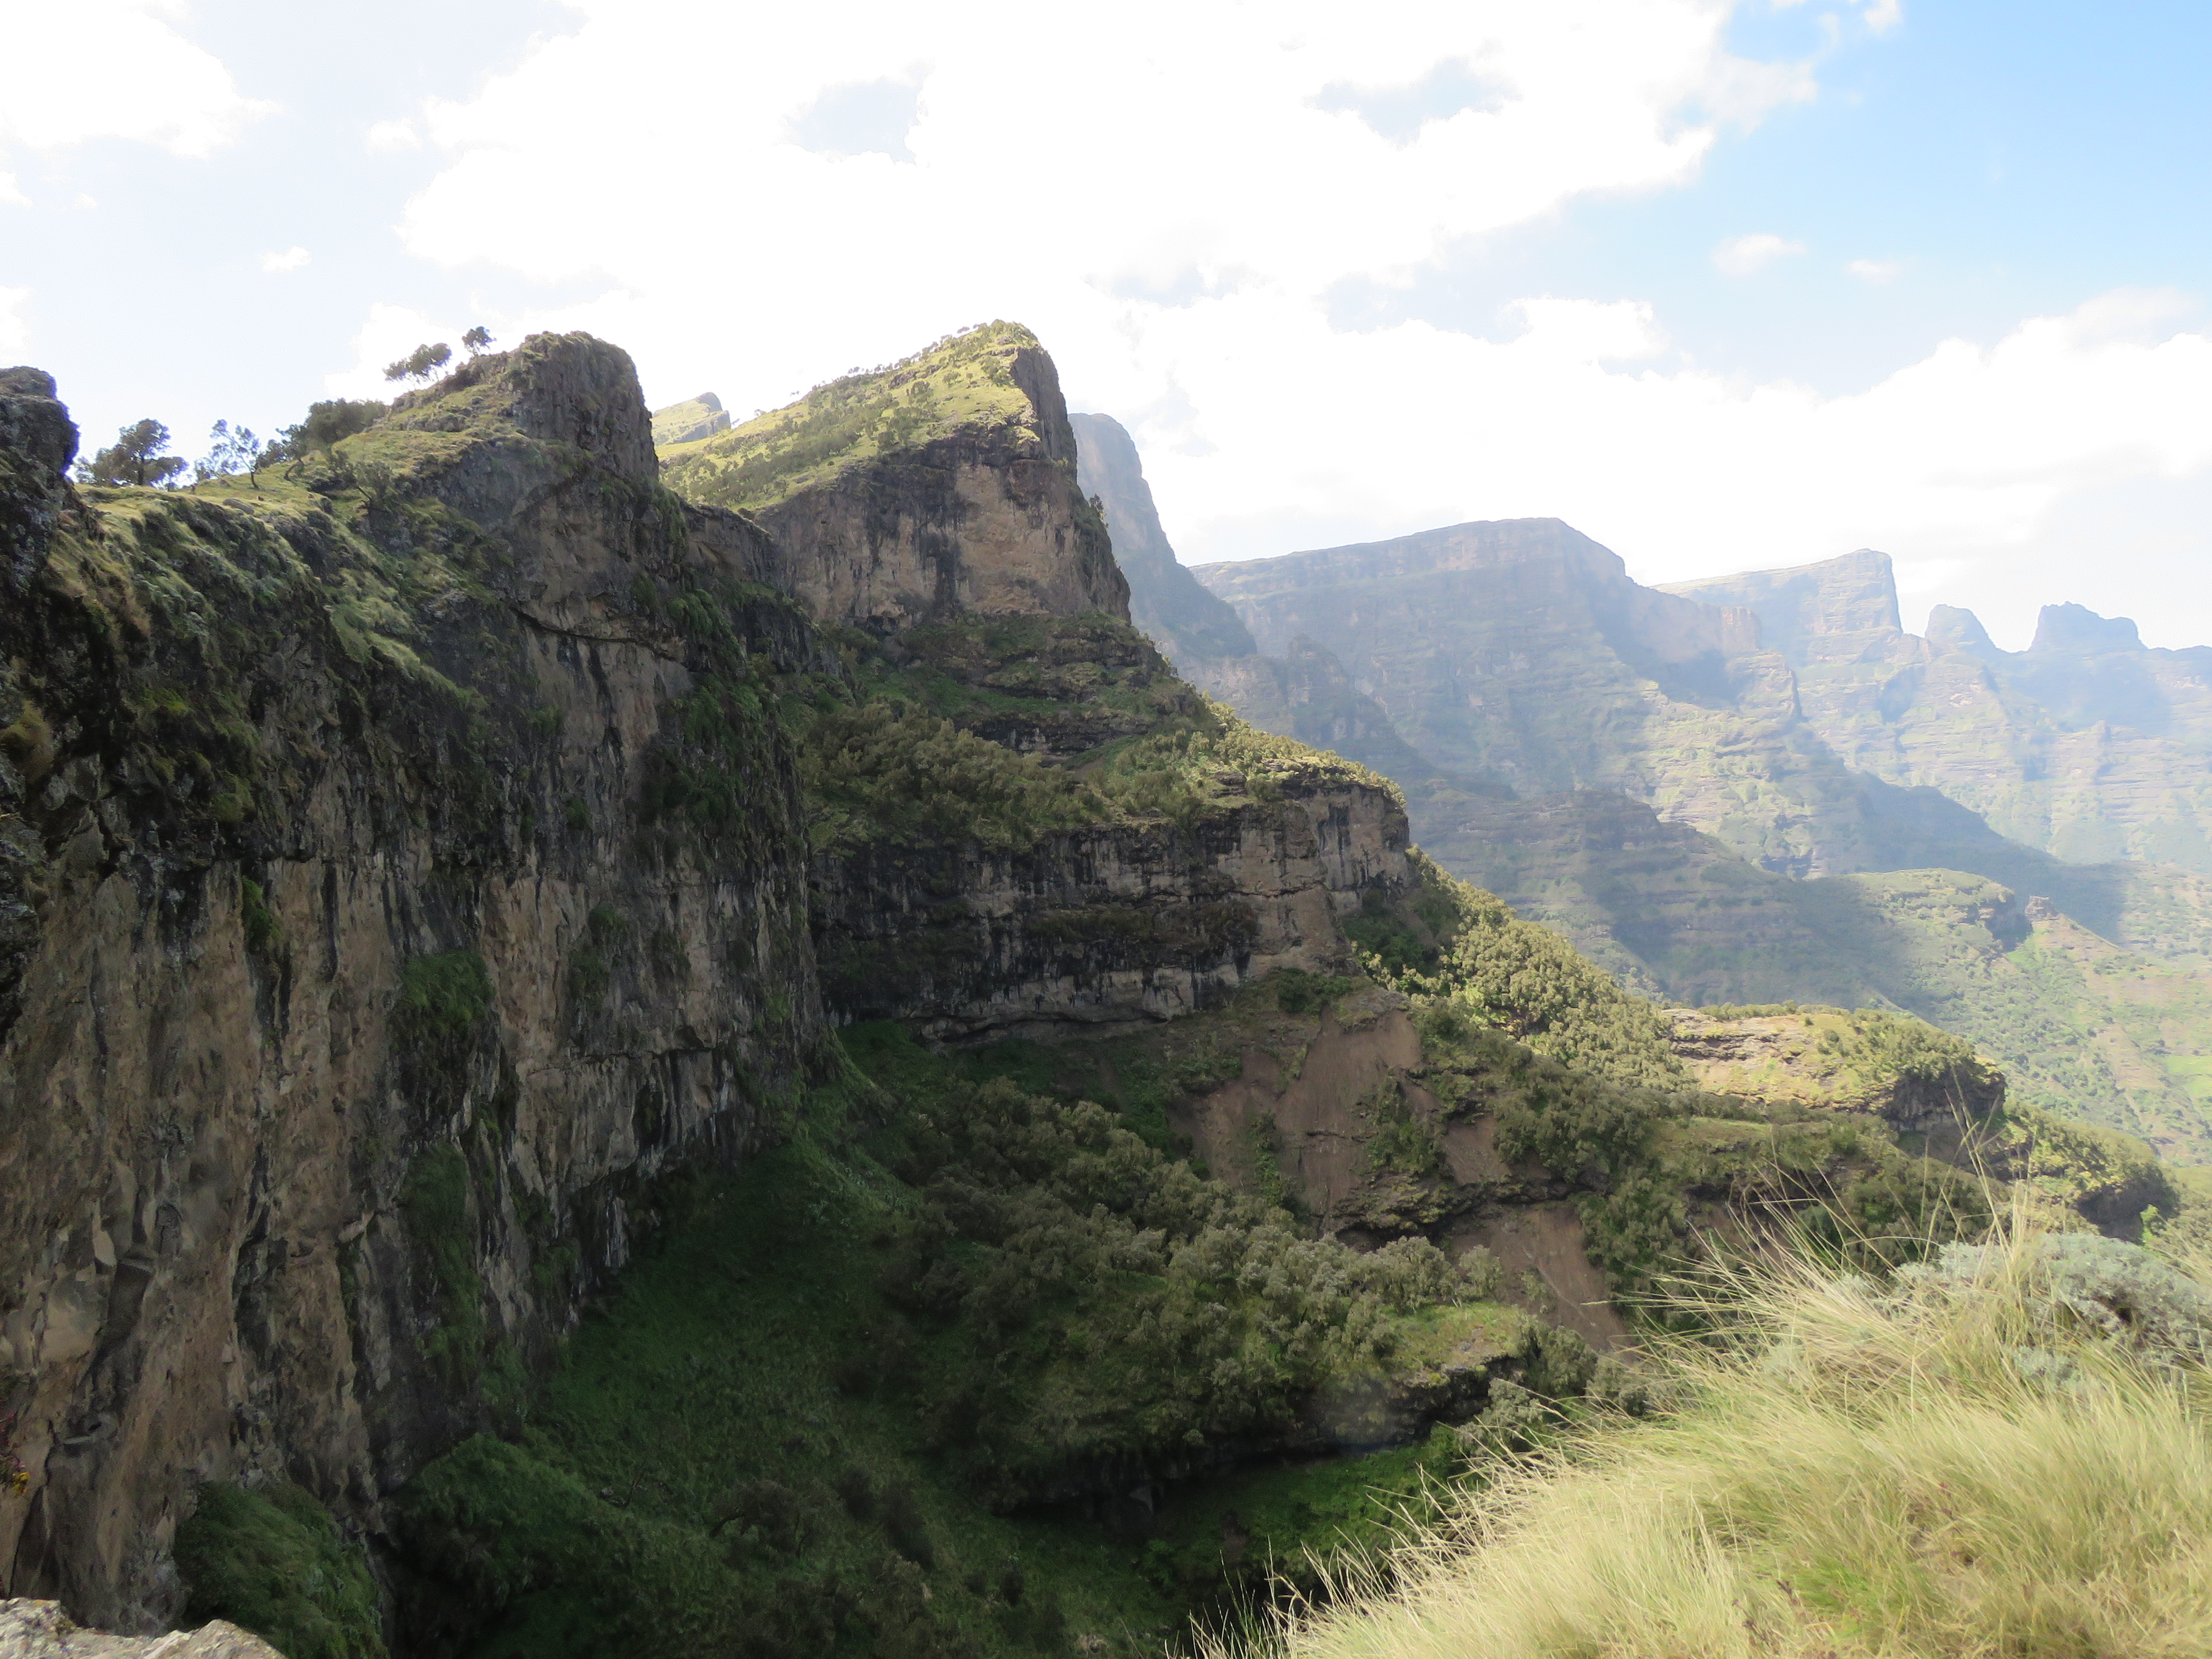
421	363
135	457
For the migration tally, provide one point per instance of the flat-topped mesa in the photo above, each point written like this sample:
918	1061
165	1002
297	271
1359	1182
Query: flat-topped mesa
943	484
1810	613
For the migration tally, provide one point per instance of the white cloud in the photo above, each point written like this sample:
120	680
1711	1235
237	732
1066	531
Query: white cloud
1877	271
14	332
1879	16
1174	232
1746	256
1961	456
387	136
1883	15
290	259
112	68
11	193
1184	154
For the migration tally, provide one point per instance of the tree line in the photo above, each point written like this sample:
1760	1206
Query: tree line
139	456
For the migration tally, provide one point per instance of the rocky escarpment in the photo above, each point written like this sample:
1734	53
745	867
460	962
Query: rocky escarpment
1653	783
403	872
1492	647
2087	744
1161	871
1100	928
943	485
412	855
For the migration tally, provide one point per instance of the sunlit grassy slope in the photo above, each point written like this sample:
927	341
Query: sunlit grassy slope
2006	1453
965	379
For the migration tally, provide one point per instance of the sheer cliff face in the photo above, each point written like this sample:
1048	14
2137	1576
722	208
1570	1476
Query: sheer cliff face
2087	744
944	485
1518	657
1165	600
391	890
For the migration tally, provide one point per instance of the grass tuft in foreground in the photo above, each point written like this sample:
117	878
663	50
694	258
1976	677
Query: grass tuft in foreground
2005	1449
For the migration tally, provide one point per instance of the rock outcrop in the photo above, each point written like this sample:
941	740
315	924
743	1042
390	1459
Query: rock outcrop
1102	929
40	1629
941	486
1833	1060
936	507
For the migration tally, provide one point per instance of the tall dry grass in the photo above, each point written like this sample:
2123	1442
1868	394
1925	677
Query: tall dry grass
2008	1453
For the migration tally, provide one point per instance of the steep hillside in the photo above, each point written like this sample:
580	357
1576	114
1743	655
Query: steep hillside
417	860
600	1056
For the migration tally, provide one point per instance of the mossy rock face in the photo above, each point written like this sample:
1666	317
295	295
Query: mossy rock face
271	1561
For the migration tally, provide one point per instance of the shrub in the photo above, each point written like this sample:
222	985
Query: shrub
272	1562
1468	961
444	995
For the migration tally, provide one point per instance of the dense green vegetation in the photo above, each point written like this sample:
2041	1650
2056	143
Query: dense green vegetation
1456	948
892	1390
270	1560
886	770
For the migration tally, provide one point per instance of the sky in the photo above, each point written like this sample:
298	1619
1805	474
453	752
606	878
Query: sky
1725	286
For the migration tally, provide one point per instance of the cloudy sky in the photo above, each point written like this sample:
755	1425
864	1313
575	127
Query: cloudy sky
1724	286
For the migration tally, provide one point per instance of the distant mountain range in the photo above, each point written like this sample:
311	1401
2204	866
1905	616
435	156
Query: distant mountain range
1757	788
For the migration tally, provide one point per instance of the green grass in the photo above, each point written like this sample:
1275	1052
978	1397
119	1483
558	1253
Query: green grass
964	380
2006	1453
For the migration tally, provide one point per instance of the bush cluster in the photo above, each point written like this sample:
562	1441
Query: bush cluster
1112	1304
1456	949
